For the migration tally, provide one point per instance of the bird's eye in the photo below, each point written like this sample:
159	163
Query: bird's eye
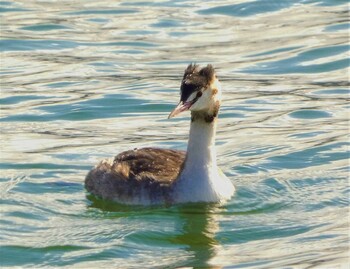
199	94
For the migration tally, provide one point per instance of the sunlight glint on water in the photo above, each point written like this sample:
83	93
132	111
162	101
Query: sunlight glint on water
82	81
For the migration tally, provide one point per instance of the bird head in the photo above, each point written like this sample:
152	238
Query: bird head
200	91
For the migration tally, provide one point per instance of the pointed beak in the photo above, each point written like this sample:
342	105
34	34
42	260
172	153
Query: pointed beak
180	108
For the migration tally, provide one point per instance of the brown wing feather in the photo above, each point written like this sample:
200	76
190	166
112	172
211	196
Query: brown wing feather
140	172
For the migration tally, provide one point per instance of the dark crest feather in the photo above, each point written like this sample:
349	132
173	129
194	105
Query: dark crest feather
191	68
195	79
207	72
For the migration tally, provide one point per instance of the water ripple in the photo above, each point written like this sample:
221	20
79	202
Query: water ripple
83	81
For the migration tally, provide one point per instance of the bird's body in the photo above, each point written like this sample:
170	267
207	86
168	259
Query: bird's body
157	176
139	176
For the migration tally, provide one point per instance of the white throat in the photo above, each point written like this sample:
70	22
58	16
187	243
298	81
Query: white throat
201	180
201	152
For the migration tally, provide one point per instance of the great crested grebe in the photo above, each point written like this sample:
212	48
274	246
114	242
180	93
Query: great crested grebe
163	176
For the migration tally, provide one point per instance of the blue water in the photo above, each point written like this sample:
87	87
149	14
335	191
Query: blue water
85	80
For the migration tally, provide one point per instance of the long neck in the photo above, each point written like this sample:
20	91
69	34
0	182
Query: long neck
200	178
201	153
196	181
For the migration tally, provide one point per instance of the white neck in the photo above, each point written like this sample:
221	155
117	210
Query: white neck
200	179
201	151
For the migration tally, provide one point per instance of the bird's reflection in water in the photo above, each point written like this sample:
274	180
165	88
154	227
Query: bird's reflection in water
198	234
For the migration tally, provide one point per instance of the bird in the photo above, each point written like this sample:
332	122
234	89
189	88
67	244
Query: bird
153	176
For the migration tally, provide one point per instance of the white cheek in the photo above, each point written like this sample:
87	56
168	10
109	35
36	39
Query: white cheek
202	102
197	106
191	97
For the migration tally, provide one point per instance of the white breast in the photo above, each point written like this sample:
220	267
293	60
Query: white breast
203	185
201	180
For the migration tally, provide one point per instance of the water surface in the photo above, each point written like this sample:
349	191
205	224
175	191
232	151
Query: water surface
82	81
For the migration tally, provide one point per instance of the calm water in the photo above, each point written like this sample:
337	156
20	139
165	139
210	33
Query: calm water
84	80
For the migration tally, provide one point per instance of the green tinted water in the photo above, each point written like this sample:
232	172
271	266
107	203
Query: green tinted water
82	81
